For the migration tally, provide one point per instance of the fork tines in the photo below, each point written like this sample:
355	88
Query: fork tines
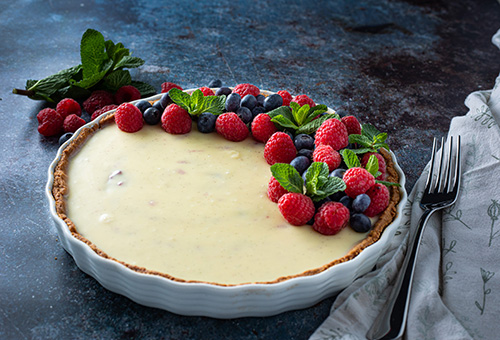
446	178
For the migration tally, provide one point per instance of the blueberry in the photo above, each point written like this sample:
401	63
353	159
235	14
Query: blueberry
65	137
223	91
360	223
165	100
305	152
303	141
249	101
337	196
215	83
273	102
346	201
245	114
260	99
257	110
233	102
159	106
300	163
206	122
339	172
152	116
142	105
361	203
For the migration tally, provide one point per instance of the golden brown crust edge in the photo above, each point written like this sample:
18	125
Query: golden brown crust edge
60	189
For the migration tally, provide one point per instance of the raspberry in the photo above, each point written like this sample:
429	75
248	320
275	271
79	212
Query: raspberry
381	163
352	125
128	118
275	190
72	123
296	208
331	218
287	97
357	181
105	109
68	106
167	86
244	89
207	91
325	153
127	93
231	127
97	100
332	132
303	99
176	120
262	127
50	123
379	196
279	149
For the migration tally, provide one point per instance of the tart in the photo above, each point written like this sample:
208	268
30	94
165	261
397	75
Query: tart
183	223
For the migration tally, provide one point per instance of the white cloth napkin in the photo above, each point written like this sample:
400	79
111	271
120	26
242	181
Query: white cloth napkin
456	290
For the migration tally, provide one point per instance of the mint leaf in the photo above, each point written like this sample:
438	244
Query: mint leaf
284	122
129	62
214	104
288	177
315	124
350	158
369	131
145	89
196	103
301	114
372	165
361	140
181	98
93	54
388	184
50	84
117	79
331	185
281	111
319	184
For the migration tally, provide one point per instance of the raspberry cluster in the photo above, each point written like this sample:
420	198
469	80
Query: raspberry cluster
247	112
67	116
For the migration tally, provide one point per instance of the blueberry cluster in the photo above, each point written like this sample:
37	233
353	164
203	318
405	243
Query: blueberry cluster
152	113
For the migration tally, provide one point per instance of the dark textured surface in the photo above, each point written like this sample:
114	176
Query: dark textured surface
405	66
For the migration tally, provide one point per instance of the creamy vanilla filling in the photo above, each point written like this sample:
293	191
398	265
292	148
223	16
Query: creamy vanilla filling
192	206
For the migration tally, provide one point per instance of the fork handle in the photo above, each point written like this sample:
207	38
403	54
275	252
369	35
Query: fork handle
390	324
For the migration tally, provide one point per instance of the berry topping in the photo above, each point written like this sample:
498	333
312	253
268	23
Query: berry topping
287	97
352	125
300	163
332	132
167	86
303	141
357	181
244	89
72	123
296	208
275	190
207	91
68	106
381	163
379	196
245	114
326	154
303	99
233	101
273	102
206	122
231	127
361	203
249	101
279	149
331	218
103	110
215	83
223	91
151	116
262	127
65	137
97	100
143	105
127	93
360	223
176	120
50	123
128	118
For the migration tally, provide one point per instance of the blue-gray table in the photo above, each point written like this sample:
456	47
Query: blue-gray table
404	65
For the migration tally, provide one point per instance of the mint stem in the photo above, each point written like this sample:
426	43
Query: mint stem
23	92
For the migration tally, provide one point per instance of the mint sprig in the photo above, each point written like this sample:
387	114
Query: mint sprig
102	66
351	160
197	103
370	140
318	183
300	119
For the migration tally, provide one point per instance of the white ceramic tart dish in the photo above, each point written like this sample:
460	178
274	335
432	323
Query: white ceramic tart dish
179	293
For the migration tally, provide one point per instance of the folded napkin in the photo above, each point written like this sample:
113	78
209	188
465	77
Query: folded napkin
456	289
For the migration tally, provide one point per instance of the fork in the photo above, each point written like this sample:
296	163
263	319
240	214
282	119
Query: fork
441	191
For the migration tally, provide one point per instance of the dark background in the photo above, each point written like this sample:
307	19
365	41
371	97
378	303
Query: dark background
404	66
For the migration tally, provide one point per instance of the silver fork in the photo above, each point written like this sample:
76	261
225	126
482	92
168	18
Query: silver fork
441	191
